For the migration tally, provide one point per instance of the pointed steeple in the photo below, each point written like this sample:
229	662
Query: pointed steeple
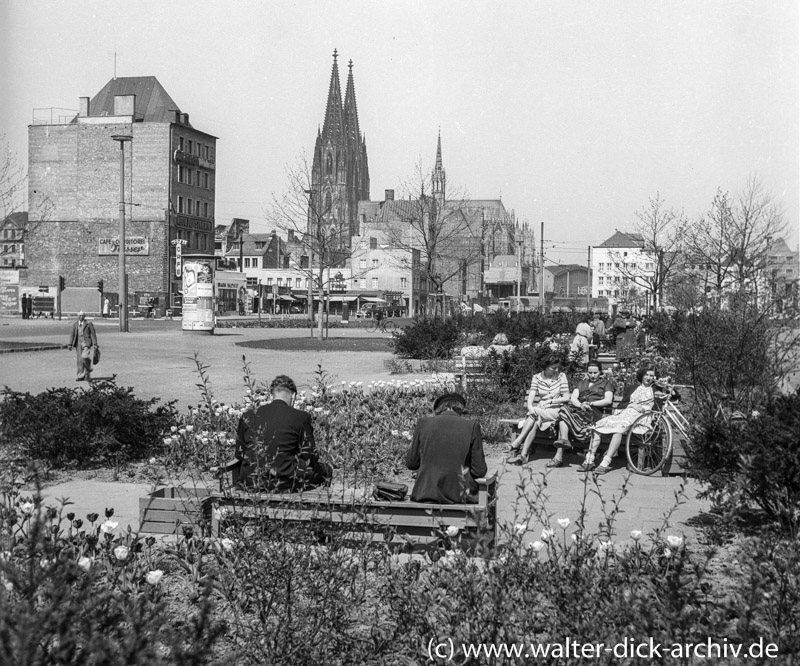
351	128
333	124
439	178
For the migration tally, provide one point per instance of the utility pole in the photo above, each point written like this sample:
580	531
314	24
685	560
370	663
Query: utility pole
123	291
589	284
541	268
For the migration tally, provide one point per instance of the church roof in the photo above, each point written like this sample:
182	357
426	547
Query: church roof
333	125
623	239
152	105
350	110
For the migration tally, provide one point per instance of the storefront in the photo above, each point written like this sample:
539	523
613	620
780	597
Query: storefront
230	289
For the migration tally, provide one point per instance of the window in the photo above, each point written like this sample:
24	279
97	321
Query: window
191	146
307	283
259	245
198	208
403	283
197	178
297	283
374	283
373	243
374	263
616	293
205	155
205	210
362	264
188	206
205	180
600	280
181	174
649	266
616	266
269	281
362	283
280	281
255	262
181	205
633	266
247	262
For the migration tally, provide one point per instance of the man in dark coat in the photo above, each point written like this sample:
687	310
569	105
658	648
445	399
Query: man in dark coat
447	449
84	340
275	443
24	306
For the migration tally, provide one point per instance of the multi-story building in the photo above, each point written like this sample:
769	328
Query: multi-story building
621	269
169	193
12	239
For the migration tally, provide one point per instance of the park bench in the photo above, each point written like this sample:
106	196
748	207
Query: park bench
469	369
357	516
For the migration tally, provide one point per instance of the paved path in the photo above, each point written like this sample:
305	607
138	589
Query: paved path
155	359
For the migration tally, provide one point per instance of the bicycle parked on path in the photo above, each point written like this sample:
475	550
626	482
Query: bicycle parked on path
650	438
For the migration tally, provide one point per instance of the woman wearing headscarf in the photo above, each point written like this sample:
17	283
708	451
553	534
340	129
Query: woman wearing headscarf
579	349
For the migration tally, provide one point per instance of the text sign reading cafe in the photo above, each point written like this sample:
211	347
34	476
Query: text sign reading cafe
133	245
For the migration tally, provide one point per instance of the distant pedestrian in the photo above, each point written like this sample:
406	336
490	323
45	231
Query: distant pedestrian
24	306
84	340
30	306
106	308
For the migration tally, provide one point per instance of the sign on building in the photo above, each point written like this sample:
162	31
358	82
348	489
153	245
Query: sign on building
134	245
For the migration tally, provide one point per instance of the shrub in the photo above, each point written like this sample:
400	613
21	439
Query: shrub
755	463
76	426
426	338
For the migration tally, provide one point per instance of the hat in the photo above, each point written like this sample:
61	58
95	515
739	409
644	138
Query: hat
80	314
449	396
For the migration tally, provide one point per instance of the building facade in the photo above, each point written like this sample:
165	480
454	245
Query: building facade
620	268
169	192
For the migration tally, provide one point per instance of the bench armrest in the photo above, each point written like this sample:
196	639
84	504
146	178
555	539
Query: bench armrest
227	473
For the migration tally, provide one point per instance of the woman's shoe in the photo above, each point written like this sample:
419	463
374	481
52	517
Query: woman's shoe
603	469
513	449
555	462
562	444
585	467
516	460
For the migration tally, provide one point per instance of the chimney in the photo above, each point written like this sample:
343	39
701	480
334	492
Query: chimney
389	196
83	106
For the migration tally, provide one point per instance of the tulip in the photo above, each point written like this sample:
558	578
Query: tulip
26	508
675	541
227	544
636	534
108	527
546	534
85	563
520	529
154	577
564	522
536	545
121	553
452	531
109	513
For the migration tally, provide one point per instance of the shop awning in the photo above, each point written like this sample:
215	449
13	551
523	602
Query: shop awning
373	299
339	298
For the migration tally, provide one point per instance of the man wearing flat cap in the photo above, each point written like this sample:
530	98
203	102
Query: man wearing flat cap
447	451
84	339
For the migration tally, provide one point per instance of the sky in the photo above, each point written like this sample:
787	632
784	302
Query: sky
574	113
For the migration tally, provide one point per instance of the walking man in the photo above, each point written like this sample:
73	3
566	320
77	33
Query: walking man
84	340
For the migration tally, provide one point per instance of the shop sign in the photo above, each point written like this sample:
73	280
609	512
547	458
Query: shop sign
134	245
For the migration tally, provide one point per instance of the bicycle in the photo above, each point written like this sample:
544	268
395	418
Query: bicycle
385	325
648	444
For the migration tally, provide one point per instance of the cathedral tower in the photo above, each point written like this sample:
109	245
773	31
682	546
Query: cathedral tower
439	178
339	173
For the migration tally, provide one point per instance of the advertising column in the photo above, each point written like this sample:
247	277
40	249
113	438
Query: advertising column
198	296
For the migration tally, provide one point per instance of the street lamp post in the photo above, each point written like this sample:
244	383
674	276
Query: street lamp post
123	287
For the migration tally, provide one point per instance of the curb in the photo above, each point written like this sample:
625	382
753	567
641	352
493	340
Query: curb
33	349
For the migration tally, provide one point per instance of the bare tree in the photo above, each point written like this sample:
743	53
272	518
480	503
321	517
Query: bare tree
13	182
318	228
658	234
732	241
446	232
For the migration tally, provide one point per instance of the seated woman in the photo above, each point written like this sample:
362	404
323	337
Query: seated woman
552	388
636	400
584	408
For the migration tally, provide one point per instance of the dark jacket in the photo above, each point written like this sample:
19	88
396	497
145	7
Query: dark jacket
89	335
448	452
276	446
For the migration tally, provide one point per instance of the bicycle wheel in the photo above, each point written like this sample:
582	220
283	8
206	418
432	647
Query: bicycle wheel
372	326
649	443
389	326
